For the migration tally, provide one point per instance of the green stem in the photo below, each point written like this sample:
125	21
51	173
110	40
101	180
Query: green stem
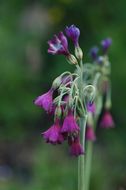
89	149
81	159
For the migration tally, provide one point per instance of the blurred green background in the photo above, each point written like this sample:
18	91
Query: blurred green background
26	71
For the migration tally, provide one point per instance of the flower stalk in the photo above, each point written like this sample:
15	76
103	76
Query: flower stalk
76	100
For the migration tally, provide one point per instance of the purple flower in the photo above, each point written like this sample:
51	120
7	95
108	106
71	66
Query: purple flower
94	52
106	43
73	32
45	101
107	120
53	134
90	134
58	45
69	124
76	148
91	107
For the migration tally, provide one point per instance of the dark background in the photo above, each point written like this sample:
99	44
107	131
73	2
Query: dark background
26	71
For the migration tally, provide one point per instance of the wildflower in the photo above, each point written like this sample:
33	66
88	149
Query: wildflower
53	134
73	32
90	134
94	52
69	124
91	107
58	45
45	101
107	120
76	148
106	43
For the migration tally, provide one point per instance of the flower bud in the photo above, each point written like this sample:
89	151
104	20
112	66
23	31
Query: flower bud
89	93
56	83
78	53
72	59
58	112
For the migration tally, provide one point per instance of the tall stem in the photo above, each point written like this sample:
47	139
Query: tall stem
81	159
89	149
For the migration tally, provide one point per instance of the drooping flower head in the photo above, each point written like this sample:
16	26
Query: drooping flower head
90	134
106	43
76	148
58	45
107	120
69	124
94	52
45	101
53	134
73	32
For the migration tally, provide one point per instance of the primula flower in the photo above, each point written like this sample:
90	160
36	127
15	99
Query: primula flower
45	101
94	52
53	134
76	148
73	32
91	107
106	43
90	134
69	124
107	120
58	45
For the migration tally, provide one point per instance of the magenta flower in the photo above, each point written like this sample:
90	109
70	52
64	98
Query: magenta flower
106	43
69	124
53	134
91	107
45	101
90	134
107	120
94	52
76	148
58	45
73	32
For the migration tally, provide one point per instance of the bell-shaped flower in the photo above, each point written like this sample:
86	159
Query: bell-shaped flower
76	148
106	43
45	100
90	134
69	124
107	120
91	107
53	134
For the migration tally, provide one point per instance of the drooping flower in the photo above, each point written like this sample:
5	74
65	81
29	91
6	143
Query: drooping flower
73	32
106	43
45	101
53	134
90	134
91	107
94	52
76	148
58	45
107	120
69	124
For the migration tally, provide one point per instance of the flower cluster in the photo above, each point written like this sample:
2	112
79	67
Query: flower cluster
76	96
65	125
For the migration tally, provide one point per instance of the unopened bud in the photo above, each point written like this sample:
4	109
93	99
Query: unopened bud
108	104
79	53
89	93
72	59
56	83
58	112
